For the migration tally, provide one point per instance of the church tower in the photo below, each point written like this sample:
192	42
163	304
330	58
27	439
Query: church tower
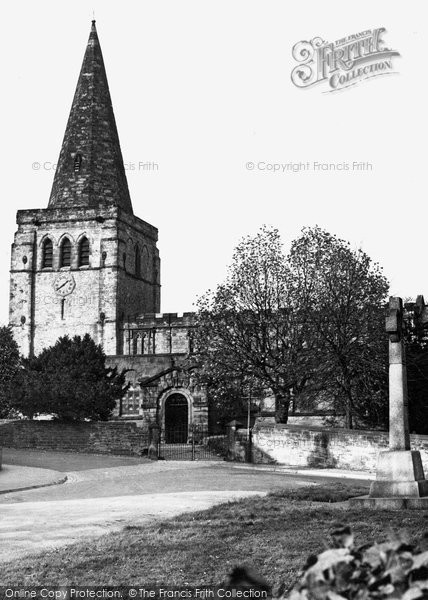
86	263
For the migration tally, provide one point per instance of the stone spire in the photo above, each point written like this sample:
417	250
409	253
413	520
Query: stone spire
90	171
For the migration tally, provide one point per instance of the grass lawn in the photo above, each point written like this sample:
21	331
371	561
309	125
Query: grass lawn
273	534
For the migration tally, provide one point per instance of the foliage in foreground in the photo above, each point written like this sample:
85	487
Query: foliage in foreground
392	569
68	380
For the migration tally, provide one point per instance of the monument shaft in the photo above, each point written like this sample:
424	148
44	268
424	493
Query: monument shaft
399	438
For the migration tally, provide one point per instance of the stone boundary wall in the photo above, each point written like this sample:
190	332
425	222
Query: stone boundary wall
105	437
325	448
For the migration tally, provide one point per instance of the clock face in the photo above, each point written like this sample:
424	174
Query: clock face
64	284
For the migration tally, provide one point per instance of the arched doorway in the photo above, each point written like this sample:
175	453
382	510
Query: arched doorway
176	419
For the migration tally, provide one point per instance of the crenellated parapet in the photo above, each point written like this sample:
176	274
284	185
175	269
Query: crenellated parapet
159	334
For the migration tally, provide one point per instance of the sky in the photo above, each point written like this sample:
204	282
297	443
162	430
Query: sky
201	88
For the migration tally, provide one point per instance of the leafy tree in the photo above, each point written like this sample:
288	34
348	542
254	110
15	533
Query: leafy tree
250	329
228	398
9	365
345	293
310	323
417	383
416	338
70	381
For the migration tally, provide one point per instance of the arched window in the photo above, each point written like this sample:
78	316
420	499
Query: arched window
47	253
84	252
65	253
137	261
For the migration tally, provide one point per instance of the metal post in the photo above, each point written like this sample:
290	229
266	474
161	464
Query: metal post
248	413
250	446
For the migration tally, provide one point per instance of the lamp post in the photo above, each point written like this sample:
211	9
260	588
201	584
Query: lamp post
248	412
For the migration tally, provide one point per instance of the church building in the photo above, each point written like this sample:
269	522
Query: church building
87	264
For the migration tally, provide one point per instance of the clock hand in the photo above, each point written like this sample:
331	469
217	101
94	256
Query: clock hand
62	285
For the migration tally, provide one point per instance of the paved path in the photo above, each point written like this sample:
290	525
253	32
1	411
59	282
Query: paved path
96	501
13	478
154	478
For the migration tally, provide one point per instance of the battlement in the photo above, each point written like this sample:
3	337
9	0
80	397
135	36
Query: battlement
159	333
161	320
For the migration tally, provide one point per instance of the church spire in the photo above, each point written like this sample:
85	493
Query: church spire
90	171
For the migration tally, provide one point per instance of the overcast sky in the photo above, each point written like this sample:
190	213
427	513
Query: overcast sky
203	87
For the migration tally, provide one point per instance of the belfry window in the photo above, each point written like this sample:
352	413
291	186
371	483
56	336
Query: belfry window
65	253
47	253
77	162
84	252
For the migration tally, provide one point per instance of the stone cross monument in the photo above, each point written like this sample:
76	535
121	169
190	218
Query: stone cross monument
400	473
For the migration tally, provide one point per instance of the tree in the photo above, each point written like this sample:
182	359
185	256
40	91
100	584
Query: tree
9	365
70	381
345	293
227	400
250	329
417	383
416	338
311	321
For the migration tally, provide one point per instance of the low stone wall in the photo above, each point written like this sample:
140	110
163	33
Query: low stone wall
325	448
107	437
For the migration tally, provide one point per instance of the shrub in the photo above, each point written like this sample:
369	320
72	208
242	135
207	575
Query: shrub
69	381
392	569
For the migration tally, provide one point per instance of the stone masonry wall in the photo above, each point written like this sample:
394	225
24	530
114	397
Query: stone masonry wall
36	313
104	293
121	438
325	448
137	292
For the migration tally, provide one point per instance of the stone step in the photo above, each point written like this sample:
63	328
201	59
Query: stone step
389	503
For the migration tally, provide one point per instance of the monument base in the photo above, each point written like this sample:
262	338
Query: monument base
399	474
400	483
396	503
397	489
